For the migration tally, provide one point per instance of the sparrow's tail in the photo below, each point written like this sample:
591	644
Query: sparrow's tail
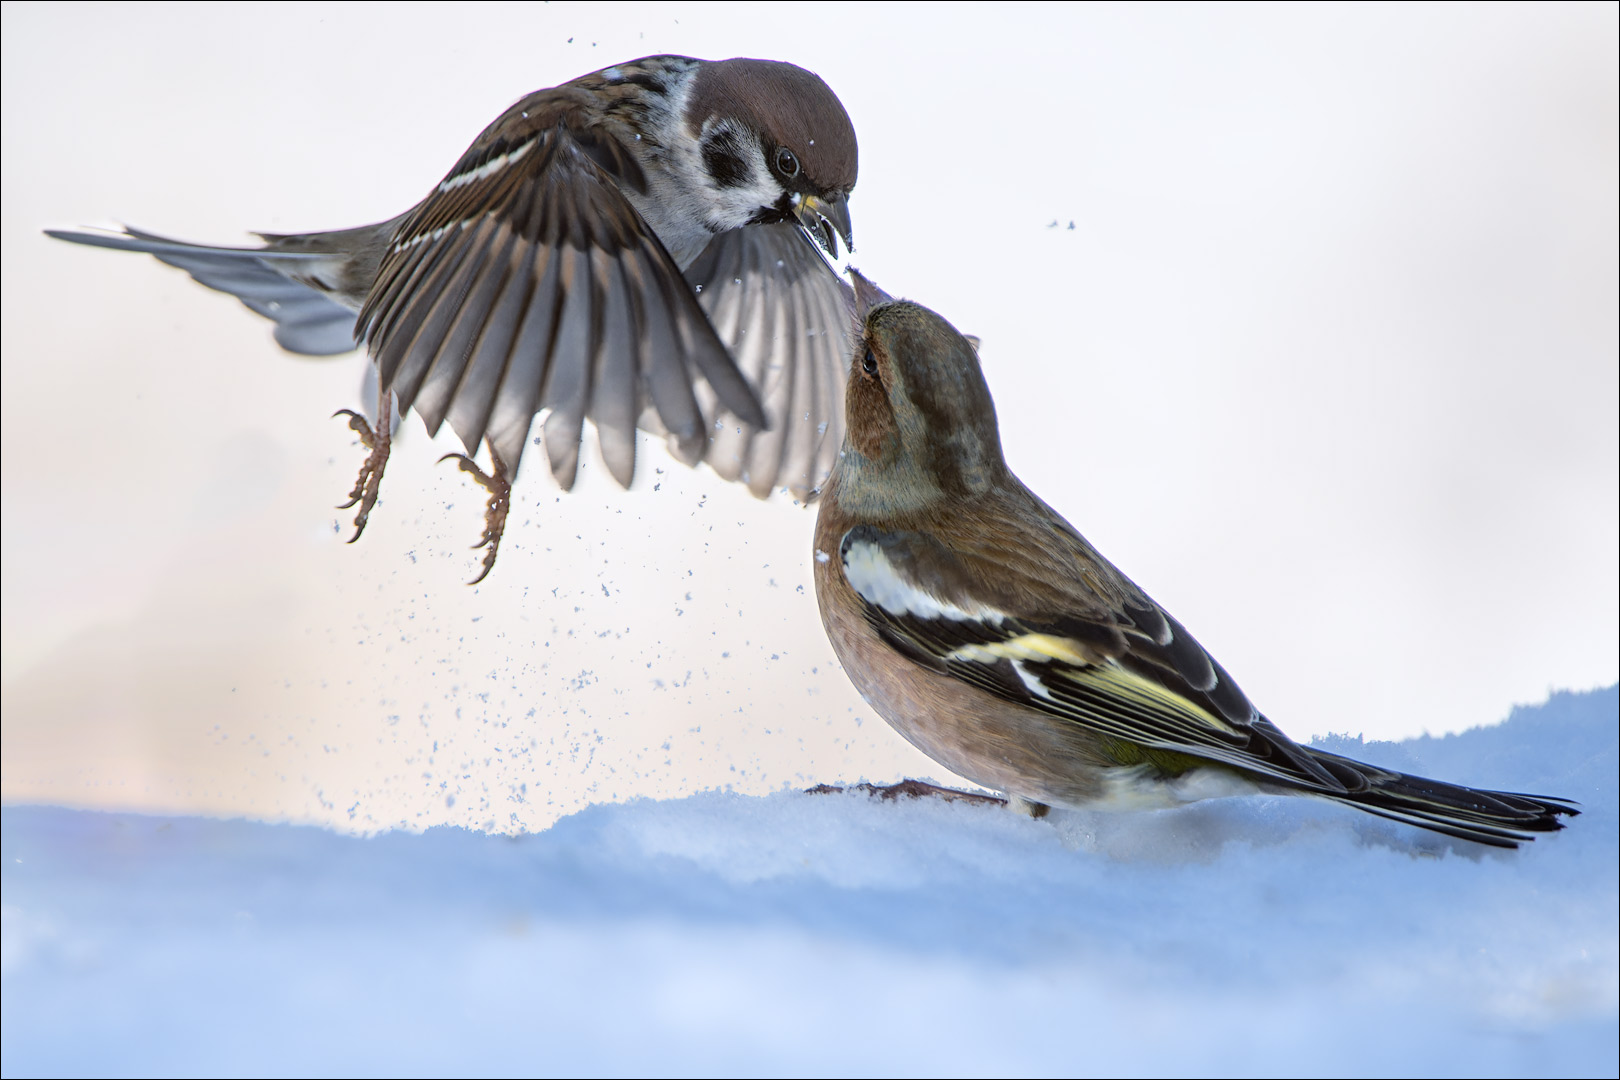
1498	818
305	283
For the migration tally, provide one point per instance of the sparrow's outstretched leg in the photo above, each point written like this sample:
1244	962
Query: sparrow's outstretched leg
377	440
917	789
499	487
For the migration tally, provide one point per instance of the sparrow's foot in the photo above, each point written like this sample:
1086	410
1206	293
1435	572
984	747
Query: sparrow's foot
495	511
377	440
917	789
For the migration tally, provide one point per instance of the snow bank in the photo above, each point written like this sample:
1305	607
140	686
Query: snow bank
798	933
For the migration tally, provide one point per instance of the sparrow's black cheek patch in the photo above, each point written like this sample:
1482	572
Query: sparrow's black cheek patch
724	164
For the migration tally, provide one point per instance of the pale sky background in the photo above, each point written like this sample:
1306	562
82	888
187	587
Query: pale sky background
1327	363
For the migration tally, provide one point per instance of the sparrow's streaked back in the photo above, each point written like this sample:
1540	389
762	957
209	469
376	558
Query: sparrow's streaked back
632	247
988	632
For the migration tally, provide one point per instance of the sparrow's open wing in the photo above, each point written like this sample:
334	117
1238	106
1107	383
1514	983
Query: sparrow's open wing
788	320
288	287
527	282
1129	673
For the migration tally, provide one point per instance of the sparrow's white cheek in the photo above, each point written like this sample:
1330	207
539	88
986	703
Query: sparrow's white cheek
738	184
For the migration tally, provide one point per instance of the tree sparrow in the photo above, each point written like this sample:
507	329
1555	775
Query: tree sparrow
632	246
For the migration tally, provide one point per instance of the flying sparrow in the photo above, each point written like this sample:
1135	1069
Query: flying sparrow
632	246
993	637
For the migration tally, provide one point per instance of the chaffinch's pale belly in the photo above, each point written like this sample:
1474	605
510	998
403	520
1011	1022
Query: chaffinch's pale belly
980	737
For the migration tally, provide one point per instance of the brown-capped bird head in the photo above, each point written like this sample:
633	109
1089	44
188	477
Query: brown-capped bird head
918	413
776	145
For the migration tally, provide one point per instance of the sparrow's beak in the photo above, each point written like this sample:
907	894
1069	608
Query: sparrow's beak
826	220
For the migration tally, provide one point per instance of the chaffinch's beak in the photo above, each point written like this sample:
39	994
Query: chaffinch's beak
867	296
827	220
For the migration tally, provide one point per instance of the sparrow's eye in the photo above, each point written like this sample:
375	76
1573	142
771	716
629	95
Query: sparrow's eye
786	163
869	363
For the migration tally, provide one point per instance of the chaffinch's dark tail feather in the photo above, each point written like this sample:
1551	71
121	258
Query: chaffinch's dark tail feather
297	282
1498	818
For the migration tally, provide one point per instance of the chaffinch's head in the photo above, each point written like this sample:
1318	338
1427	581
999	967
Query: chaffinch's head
920	424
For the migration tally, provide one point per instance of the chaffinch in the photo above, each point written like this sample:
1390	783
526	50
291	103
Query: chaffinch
988	632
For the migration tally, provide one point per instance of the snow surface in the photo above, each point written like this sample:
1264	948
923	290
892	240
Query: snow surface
796	933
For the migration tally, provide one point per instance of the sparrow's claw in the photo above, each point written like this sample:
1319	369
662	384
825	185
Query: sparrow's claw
377	440
914	789
495	511
361	427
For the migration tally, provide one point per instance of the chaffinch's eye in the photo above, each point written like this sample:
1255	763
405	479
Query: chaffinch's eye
786	163
869	363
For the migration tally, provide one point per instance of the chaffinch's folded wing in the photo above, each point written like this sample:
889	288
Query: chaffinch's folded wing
1127	672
